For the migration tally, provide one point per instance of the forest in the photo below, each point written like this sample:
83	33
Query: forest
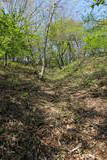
53	80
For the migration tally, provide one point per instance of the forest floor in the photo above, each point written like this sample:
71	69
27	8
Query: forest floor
52	119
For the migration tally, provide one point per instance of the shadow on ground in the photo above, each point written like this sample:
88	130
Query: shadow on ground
21	122
30	130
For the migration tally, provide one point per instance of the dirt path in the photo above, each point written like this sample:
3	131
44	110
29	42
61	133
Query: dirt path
74	118
51	122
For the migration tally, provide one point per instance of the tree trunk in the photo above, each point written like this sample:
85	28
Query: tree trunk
5	60
44	56
46	39
43	68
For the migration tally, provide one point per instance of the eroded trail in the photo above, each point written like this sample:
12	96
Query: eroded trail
47	121
79	120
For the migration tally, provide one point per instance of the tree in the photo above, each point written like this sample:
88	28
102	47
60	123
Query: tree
14	38
51	14
97	3
65	35
96	40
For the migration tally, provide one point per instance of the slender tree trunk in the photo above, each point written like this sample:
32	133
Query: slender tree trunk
46	38
61	60
44	55
70	49
5	60
58	62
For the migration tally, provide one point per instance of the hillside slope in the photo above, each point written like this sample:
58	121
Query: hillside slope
63	118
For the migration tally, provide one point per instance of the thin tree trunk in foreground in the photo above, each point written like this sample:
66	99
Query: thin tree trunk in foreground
46	39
